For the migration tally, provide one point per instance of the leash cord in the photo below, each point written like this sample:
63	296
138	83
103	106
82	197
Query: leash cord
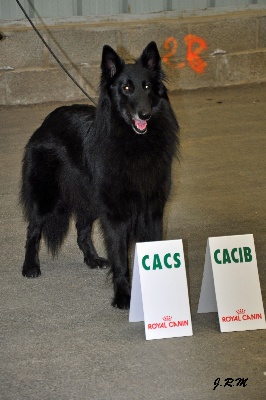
53	54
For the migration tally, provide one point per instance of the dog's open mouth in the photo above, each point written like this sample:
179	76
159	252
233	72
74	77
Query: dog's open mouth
139	126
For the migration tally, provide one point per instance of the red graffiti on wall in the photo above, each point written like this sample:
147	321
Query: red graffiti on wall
195	46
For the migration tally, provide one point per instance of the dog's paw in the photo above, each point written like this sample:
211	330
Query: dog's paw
31	271
97	262
122	302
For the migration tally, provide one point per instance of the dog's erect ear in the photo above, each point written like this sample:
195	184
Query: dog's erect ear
150	58
111	62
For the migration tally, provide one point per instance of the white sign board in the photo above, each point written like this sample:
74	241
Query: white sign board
159	295
231	283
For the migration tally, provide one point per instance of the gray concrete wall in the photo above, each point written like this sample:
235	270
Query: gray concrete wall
197	50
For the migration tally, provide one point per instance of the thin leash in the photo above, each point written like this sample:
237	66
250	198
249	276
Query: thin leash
53	54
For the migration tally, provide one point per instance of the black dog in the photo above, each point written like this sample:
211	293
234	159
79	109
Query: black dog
111	163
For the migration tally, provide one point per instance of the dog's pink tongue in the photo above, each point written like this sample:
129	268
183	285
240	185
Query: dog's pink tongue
140	124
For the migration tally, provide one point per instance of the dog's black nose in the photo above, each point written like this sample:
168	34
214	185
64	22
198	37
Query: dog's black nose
144	115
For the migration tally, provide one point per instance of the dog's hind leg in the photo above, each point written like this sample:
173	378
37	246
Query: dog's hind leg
84	232
31	266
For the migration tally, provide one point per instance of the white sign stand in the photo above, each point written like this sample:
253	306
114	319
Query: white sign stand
159	295
231	284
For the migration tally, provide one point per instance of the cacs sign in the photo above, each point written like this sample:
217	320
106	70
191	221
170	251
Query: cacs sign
159	294
157	262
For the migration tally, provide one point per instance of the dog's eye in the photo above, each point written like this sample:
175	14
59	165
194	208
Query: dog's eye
126	88
146	86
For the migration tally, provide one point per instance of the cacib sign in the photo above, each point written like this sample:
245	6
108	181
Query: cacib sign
159	295
234	255
230	273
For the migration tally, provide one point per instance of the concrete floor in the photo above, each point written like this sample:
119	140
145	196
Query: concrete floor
59	336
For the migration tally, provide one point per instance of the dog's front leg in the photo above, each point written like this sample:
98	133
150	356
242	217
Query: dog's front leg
116	238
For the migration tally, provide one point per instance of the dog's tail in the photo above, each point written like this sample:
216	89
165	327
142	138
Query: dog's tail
55	228
44	203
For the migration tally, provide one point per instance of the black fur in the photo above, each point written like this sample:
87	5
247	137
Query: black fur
111	163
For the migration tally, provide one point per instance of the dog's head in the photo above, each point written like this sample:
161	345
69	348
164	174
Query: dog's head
136	89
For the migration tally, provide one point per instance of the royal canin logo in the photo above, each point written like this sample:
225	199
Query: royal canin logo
241	315
168	323
167	318
241	311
